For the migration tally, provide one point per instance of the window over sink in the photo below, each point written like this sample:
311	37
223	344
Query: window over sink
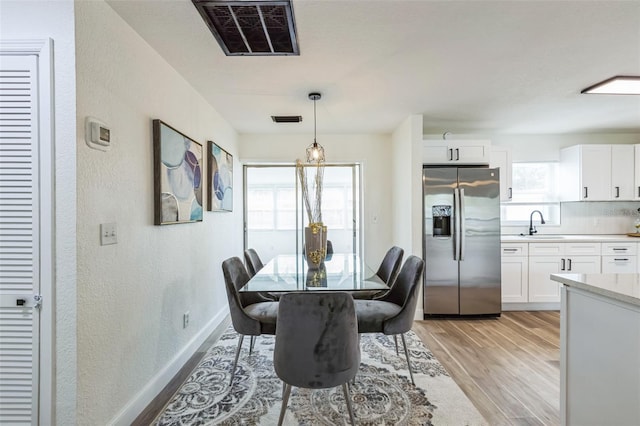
535	187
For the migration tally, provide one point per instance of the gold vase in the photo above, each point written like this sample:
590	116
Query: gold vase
315	244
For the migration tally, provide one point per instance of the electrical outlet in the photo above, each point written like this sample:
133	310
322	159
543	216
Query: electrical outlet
185	320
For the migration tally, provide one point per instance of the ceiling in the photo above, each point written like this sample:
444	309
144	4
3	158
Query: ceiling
467	66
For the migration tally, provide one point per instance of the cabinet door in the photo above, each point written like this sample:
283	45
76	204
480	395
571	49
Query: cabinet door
582	264
474	152
515	279
622	172
541	288
501	158
436	153
595	170
636	188
470	152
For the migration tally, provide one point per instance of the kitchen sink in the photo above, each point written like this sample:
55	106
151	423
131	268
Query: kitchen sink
544	237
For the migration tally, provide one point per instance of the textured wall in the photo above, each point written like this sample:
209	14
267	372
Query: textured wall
132	295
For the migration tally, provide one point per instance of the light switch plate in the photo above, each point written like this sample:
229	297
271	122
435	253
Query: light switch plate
108	234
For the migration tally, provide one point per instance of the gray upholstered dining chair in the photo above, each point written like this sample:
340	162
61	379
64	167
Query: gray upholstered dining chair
250	315
387	272
254	264
394	315
316	343
390	265
253	261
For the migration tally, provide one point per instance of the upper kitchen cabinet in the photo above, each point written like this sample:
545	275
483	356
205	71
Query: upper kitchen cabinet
456	152
501	158
597	172
636	188
622	172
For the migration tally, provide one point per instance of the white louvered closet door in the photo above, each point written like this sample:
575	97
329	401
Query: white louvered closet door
19	241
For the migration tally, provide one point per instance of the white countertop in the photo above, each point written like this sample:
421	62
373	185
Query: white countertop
550	238
623	287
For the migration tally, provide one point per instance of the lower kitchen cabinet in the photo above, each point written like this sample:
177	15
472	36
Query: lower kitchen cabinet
515	273
541	288
619	258
580	258
526	268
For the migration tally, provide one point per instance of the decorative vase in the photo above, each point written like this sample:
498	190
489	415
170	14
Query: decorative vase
317	277
315	244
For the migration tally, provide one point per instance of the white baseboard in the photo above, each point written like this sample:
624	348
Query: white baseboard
419	316
133	408
539	306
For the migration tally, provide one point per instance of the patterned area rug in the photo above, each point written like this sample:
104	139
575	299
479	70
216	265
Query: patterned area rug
382	395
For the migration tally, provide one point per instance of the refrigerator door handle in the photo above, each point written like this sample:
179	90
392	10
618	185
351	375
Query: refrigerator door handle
456	224
462	224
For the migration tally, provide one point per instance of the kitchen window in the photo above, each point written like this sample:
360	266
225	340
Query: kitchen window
535	187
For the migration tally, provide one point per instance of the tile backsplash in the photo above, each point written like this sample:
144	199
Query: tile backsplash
606	217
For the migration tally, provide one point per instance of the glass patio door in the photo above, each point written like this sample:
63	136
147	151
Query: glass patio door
274	216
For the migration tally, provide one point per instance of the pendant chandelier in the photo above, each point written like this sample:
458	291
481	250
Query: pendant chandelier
315	151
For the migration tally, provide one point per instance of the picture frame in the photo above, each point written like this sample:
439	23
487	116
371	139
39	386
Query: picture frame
220	179
177	161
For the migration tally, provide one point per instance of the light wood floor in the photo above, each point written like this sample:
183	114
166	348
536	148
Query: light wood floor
508	366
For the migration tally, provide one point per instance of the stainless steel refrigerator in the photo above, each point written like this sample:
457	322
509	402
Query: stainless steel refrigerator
461	241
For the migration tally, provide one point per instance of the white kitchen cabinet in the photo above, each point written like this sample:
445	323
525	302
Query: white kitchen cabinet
597	172
622	172
501	158
554	258
515	273
585	173
636	188
619	258
541	288
454	152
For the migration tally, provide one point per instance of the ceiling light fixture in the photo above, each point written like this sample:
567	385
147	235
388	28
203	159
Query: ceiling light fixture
315	151
618	85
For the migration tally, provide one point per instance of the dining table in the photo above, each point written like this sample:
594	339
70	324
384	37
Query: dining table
339	272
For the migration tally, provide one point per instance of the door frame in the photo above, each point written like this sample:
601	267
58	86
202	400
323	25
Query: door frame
356	176
43	49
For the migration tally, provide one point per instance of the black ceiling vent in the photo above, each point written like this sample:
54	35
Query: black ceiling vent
286	118
251	28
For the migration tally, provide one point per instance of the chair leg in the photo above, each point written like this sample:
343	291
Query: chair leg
235	361
347	398
395	339
285	401
406	352
253	341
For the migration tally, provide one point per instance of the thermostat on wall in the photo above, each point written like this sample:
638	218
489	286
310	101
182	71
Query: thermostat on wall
97	134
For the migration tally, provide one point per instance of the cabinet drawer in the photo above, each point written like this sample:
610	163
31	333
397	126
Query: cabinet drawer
583	249
620	264
546	249
514	249
630	249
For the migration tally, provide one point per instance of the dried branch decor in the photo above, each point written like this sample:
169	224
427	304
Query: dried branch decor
312	197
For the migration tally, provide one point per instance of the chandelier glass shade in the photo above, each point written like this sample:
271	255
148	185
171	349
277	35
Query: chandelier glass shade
315	151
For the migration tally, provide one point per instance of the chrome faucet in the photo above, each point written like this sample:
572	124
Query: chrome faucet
532	229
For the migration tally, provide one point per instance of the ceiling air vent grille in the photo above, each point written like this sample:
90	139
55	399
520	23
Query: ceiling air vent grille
251	28
286	118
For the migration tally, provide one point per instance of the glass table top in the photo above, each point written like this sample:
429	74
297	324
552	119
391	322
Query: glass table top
286	273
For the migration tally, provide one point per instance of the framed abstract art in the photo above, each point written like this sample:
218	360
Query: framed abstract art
220	188
177	176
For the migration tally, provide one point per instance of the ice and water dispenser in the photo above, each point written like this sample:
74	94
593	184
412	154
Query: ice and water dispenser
441	220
